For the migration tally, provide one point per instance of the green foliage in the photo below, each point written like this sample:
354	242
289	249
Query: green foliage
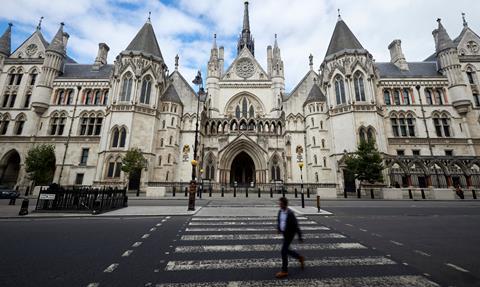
134	161
40	164
366	163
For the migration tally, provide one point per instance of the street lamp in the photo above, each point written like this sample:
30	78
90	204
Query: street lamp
201	183
193	183
300	165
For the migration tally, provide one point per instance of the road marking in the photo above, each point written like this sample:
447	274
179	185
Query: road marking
422	253
337	220
167	252
136	244
240	218
426	274
396	243
156	270
348	224
153	229
168	217
164	220
243	223
457	267
391	281
111	268
255	236
146	236
364	230
93	284
265	247
273	263
377	235
159	224
405	263
127	253
194	229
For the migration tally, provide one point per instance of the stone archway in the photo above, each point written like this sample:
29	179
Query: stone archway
242	170
9	169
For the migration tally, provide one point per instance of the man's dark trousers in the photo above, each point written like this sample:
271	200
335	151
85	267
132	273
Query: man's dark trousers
287	240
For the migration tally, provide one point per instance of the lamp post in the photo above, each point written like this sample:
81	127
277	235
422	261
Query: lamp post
300	165
201	183
193	183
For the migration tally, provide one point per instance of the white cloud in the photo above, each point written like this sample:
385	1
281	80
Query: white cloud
186	27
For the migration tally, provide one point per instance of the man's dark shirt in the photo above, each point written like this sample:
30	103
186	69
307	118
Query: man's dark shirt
291	226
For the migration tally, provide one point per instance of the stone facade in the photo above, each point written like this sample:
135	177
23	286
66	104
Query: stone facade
423	116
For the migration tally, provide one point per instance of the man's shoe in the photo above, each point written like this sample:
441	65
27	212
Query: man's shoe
281	274
301	259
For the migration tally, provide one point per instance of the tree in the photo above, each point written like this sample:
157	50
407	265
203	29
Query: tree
366	163
132	164
40	164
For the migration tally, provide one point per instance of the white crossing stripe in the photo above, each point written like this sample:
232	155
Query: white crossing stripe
255	236
264	247
422	253
136	244
457	267
244	223
146	235
111	268
153	229
195	229
273	263
93	284
396	243
240	218
381	281
127	253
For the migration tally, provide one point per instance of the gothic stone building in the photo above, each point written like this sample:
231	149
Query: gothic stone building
423	116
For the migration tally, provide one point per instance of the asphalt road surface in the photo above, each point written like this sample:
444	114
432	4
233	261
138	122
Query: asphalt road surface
229	243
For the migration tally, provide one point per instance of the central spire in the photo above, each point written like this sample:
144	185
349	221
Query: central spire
245	39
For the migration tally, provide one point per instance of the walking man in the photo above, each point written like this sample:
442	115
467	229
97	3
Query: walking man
287	224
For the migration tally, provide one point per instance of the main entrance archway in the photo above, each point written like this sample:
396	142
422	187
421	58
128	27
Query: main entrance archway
9	169
242	170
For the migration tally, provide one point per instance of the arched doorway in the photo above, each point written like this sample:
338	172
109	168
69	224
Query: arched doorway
9	169
243	170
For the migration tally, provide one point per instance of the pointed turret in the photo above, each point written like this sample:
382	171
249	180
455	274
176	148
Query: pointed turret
342	39
145	42
315	95
6	40
246	39
442	39
213	67
59	42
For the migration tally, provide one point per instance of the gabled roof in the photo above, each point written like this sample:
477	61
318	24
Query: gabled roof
315	95
245	53
145	42
80	71
287	96
171	95
342	39
6	41
416	70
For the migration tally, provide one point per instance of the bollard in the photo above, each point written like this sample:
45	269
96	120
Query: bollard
186	191
371	194
12	201
223	191
259	192
359	195
125	201
308	192
474	194
303	200
173	191
210	191
246	192
345	193
318	203
24	207
234	191
271	192
296	195
410	195
423	193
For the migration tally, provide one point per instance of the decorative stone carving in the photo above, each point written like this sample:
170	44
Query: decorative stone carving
245	68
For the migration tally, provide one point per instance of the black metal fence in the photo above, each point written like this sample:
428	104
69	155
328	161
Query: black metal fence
81	199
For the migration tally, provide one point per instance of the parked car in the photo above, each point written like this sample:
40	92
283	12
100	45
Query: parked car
8	193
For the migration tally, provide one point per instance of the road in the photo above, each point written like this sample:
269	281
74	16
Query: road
364	243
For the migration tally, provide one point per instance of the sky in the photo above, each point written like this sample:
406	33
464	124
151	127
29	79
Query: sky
186	27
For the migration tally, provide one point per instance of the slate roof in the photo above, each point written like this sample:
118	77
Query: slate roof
342	39
171	95
416	70
315	95
145	42
443	39
57	42
5	41
80	71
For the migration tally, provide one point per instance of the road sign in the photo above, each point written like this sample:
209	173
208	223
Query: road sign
47	196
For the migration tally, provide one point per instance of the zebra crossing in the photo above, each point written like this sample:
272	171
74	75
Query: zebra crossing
245	251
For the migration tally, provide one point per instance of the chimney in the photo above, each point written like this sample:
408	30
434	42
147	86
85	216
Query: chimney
102	55
221	59
65	40
396	55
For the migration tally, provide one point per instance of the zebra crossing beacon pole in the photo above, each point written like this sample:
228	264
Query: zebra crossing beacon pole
193	183
300	165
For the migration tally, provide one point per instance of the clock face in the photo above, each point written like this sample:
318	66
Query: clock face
31	49
245	68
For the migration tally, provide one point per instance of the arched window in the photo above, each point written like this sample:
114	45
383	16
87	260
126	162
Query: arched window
323	143
161	142
275	169
315	162
428	96
166	176
19	123
57	124
115	137
396	97
146	89
126	93
321	125
403	127
163	124
237	112
28	98
210	167
244	107
406	96
114	168
69	97
340	90
33	77
123	137
4	121
363	136
324	162
371	135
6	97
359	87
88	97
313	141
168	158
442	125
170	140
411	125
313	122
438	97
471	75
251	112
60	97
159	160
316	177
386	97
91	125
105	98
97	97
172	123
